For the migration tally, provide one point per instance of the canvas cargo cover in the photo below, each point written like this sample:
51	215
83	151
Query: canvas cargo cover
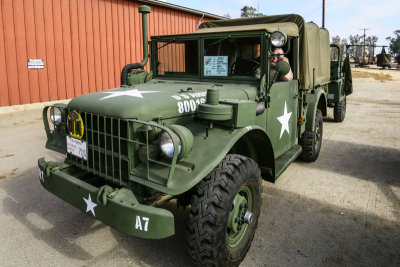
384	60
318	55
314	50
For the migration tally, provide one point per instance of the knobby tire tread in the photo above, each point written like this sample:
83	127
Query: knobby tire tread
209	210
339	111
309	153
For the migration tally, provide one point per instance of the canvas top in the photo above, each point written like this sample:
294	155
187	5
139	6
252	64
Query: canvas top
314	42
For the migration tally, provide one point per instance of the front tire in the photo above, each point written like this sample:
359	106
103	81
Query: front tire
339	111
311	141
219	233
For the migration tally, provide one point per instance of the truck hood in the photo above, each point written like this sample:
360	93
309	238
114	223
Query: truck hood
157	99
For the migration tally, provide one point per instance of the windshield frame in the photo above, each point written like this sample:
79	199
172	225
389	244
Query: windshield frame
224	36
200	38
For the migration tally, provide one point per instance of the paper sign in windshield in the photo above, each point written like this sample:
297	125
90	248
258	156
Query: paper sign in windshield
216	66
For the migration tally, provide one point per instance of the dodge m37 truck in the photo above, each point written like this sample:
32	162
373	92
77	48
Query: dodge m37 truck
208	122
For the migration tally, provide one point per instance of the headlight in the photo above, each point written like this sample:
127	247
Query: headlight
278	38
185	141
167	146
55	115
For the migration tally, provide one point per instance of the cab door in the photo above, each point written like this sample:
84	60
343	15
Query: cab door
282	115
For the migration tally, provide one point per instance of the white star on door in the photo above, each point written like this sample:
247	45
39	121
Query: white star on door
284	120
90	205
133	93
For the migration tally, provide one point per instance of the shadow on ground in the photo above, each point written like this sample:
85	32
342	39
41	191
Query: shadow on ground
65	225
298	231
293	230
380	165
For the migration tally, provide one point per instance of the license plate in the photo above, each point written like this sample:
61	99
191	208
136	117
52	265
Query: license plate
77	147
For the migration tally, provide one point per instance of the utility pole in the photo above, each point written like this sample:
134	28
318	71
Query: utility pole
365	29
323	13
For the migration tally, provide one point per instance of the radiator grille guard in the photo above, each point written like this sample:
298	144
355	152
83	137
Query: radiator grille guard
112	150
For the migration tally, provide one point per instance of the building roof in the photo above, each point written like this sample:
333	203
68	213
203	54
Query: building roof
185	9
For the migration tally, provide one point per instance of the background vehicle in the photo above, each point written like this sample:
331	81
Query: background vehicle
204	126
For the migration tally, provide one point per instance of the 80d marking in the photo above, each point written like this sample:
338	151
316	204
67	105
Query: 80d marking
189	105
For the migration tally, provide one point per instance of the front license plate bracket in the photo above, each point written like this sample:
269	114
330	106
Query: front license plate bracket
77	147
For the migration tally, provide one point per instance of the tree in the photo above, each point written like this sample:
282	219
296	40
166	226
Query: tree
355	51
227	16
249	11
371	42
394	45
334	52
342	45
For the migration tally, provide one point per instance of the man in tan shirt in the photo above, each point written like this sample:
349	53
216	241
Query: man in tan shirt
275	59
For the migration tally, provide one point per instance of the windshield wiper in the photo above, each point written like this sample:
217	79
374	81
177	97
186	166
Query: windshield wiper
218	41
167	43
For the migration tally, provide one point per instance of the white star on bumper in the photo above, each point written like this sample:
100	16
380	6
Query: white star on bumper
284	120
133	93
90	205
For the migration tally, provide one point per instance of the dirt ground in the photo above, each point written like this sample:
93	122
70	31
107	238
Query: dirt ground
343	209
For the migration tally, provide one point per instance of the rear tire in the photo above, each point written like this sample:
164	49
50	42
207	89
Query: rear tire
217	234
311	141
339	111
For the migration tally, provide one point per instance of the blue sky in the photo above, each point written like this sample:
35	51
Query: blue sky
342	17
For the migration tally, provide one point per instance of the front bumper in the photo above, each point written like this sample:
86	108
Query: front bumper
122	210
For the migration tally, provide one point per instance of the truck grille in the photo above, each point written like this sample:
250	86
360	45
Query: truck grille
112	151
108	145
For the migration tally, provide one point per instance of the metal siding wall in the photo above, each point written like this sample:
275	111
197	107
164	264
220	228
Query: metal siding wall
84	45
4	99
10	54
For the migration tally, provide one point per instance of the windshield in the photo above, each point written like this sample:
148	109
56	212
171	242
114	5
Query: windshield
178	57
229	57
225	57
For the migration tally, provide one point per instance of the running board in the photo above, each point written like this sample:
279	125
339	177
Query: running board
284	160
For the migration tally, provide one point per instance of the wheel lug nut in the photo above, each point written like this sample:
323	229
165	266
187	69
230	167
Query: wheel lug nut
248	217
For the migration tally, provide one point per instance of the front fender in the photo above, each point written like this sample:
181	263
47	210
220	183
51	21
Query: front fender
210	148
314	101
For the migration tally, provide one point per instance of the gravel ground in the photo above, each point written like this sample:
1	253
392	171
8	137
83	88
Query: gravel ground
343	209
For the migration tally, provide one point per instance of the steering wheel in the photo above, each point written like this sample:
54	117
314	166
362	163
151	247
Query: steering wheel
251	63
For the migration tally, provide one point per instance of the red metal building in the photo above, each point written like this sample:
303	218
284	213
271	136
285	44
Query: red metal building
59	49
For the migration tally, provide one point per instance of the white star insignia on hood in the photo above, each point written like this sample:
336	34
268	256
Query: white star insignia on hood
284	120
133	93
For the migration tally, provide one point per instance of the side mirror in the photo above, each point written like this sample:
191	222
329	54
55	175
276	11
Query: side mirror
282	68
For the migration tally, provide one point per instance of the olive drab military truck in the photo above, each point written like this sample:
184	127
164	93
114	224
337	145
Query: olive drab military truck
203	127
